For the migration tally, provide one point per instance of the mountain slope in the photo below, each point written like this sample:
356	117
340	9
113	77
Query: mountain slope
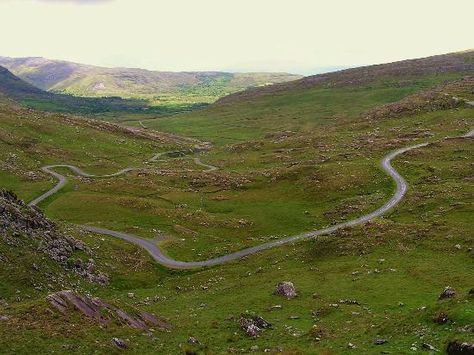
288	163
87	80
30	96
404	73
305	104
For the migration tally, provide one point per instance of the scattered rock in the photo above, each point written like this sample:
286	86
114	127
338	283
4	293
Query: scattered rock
380	341
119	343
4	318
428	347
261	323
277	349
448	292
459	348
253	325
286	289
346	301
457	246
193	341
441	318
131	295
318	332
351	346
254	348
250	329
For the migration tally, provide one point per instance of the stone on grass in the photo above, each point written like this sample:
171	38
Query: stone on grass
119	343
318	332
457	347
193	341
441	318
253	325
428	347
379	341
448	292
286	289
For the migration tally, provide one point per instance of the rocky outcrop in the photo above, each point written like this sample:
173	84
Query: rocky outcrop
103	312
26	227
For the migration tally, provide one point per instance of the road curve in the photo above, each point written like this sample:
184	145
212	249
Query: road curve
78	171
151	246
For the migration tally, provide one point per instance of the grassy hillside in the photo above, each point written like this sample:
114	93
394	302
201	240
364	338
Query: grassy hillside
172	90
306	104
30	96
289	162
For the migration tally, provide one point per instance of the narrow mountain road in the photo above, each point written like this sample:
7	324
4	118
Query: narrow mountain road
152	248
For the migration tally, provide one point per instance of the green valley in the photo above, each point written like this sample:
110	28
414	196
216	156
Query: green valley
162	92
291	157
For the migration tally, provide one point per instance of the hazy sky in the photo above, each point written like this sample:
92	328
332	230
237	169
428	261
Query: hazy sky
237	35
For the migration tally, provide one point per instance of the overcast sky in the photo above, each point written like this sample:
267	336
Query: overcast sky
237	35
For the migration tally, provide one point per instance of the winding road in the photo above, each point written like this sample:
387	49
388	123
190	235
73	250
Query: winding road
152	248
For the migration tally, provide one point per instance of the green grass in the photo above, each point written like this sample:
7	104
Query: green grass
296	110
270	183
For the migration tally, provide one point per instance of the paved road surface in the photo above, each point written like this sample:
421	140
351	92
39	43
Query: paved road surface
152	248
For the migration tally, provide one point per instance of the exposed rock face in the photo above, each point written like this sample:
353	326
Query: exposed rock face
448	292
458	348
286	289
25	226
103	312
253	325
16	216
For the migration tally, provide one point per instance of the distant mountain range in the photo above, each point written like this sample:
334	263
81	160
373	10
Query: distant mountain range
33	97
156	87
